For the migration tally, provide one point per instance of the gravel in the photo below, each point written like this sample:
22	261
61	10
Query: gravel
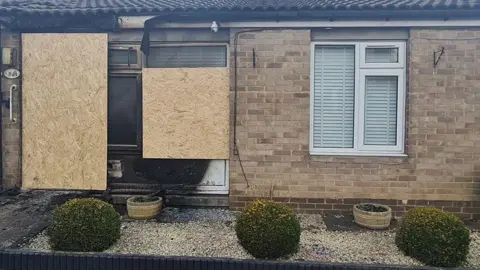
213	235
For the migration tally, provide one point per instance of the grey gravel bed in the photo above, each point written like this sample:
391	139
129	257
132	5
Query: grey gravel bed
211	234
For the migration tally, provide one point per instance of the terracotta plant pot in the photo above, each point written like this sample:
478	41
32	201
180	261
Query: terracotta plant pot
139	207
372	215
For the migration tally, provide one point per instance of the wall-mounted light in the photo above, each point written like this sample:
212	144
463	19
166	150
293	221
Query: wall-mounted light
8	56
214	27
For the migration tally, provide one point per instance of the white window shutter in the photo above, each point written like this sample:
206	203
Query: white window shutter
334	96
381	110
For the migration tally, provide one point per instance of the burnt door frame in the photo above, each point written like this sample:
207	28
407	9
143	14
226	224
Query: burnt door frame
137	148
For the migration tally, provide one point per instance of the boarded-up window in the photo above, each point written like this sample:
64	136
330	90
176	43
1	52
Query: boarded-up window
186	113
64	105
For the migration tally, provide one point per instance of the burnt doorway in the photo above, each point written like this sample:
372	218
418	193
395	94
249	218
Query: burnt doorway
126	165
127	170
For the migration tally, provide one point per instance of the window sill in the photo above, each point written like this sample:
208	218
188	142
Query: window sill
359	154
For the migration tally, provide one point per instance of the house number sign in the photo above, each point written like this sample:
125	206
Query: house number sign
11	73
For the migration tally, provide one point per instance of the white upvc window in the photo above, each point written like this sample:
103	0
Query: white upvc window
357	98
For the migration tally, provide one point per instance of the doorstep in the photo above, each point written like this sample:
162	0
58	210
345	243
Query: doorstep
184	200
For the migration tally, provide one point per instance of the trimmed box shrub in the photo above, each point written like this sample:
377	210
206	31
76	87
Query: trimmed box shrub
433	237
268	230
85	225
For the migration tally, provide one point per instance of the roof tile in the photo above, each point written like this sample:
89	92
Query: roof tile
123	6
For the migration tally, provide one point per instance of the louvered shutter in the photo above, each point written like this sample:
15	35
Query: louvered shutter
381	110
334	96
187	57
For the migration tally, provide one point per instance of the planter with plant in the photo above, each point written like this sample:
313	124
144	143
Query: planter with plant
372	215
144	207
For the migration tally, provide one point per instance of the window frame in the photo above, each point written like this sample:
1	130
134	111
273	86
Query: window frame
363	69
117	47
398	45
193	44
138	77
400	113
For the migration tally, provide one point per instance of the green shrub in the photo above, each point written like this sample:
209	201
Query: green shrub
433	237
268	230
84	225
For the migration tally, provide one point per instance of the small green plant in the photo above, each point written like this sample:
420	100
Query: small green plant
84	225
433	237
143	199
268	230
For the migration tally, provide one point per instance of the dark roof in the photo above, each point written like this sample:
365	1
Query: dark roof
152	6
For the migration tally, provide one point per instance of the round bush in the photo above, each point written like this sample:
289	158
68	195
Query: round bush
84	225
268	230
433	237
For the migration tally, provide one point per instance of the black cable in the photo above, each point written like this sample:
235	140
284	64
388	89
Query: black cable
241	166
235	86
235	89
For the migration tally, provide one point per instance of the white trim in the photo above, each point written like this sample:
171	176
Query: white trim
359	149
399	73
357	153
217	189
136	22
312	95
401	54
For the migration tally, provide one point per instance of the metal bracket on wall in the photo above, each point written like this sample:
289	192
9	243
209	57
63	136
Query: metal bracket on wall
436	58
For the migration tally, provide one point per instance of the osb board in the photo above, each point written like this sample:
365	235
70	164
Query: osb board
64	101
185	113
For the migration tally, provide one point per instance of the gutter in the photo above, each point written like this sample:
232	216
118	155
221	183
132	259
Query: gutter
319	17
303	19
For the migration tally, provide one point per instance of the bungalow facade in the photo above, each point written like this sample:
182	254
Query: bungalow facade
317	104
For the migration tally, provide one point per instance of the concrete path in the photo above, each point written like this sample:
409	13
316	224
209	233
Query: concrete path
27	214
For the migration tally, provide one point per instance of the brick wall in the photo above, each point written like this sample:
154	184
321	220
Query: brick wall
10	131
443	142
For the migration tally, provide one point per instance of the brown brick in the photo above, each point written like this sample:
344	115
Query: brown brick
306	206
323	206
441	126
334	201
443	203
471	210
407	178
298	200
452	209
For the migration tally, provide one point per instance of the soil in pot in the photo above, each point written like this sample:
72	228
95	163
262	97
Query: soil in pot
144	207
144	199
372	208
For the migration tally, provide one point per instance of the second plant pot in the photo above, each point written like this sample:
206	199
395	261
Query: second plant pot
372	215
144	207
